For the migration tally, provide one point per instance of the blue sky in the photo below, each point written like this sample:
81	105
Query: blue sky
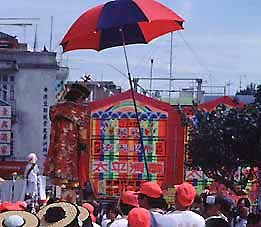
221	42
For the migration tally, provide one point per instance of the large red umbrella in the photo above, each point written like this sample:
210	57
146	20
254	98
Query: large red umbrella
119	23
102	27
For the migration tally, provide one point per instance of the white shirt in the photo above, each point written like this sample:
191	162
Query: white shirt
240	222
122	222
32	180
105	220
95	224
185	218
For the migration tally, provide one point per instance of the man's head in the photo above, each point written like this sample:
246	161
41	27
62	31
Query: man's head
150	195
213	205
139	217
77	93
243	206
185	195
129	200
32	158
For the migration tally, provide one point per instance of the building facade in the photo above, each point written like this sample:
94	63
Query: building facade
28	86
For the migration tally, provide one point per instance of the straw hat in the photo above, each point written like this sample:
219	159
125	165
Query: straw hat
84	213
58	214
18	218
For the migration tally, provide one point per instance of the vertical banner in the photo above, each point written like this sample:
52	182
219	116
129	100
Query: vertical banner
5	130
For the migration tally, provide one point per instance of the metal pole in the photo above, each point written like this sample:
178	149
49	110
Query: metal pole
170	64
51	35
175	155
259	187
135	105
151	66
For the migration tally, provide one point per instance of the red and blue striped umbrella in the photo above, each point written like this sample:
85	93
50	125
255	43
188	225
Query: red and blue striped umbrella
139	20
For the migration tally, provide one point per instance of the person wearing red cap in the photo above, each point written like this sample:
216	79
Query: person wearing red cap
151	198
128	201
185	195
139	217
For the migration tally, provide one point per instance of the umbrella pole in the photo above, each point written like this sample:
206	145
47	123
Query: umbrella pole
135	106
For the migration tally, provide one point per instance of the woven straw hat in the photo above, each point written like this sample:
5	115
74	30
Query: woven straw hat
58	214
26	219
84	213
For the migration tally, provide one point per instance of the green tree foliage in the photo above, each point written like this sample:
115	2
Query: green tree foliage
224	139
249	90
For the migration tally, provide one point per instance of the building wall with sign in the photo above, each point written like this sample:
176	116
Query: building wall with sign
116	160
28	86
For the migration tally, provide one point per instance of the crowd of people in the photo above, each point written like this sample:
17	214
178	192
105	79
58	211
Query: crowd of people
145	208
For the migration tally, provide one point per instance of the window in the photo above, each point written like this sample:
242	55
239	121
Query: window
12	92
11	78
5	78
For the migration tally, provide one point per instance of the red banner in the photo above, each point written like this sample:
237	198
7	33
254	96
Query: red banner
7	168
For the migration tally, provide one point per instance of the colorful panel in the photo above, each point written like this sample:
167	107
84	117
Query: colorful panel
117	161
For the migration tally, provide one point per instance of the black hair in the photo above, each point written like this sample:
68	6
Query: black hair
126	208
198	199
156	202
245	201
217	222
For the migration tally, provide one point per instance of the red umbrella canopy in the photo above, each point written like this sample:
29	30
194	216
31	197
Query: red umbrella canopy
140	20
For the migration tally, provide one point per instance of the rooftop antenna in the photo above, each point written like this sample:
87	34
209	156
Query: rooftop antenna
151	72
35	38
51	34
170	64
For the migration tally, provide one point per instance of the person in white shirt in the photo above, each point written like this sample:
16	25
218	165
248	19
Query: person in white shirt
183	217
31	176
128	202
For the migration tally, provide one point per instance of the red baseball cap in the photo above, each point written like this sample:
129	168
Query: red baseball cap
5	206
21	204
138	217
151	189
185	194
89	207
130	198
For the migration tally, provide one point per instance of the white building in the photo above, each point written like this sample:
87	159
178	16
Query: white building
28	85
